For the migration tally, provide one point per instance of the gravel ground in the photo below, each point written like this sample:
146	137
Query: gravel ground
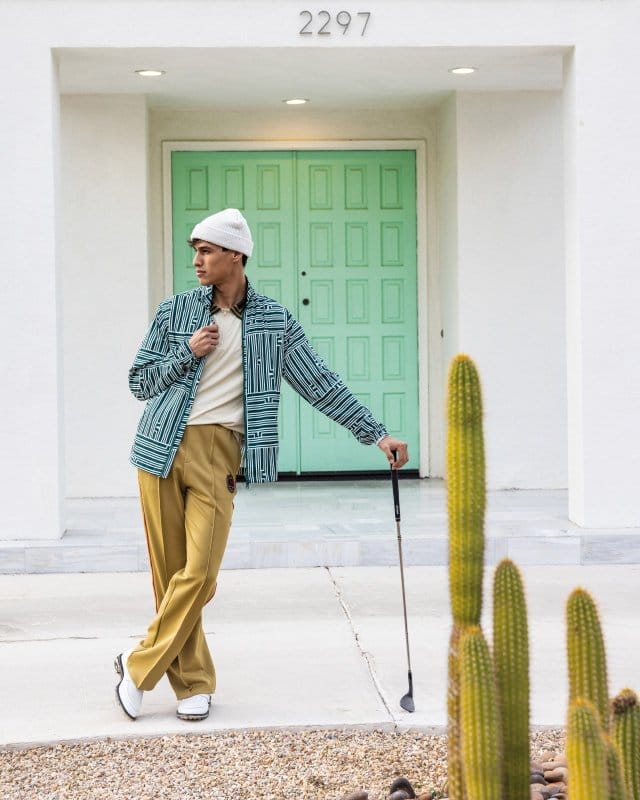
239	765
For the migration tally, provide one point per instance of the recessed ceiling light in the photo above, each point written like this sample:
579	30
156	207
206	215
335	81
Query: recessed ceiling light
296	101
150	73
462	70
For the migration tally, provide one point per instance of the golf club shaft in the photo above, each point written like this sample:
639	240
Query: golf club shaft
404	597
396	502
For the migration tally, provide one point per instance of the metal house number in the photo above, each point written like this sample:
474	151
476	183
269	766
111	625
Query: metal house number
323	24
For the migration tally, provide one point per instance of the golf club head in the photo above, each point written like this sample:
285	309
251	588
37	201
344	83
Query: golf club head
406	702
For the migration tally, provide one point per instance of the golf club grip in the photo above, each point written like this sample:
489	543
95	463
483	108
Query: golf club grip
396	491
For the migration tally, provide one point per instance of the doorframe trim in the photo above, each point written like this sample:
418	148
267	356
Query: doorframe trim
419	147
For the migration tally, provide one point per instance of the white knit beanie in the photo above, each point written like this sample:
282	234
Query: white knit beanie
228	229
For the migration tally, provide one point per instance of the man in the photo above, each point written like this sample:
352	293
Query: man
210	368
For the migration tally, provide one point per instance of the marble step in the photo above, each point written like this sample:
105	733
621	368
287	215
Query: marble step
332	523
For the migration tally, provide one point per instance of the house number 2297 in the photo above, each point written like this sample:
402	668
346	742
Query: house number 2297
325	24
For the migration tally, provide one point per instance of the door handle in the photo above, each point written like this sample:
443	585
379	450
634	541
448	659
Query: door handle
305	302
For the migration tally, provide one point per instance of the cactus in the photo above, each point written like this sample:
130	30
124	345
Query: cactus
511	663
466	504
465	491
479	719
586	655
486	763
617	788
626	735
586	752
455	777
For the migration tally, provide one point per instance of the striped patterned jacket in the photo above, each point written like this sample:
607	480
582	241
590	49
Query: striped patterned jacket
166	374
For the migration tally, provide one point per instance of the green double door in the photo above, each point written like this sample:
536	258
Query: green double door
334	241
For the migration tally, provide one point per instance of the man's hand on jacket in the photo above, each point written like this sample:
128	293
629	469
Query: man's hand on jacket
204	340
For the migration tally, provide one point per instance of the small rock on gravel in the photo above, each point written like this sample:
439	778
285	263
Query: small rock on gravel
405	785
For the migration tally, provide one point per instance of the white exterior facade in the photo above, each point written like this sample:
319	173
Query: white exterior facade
529	200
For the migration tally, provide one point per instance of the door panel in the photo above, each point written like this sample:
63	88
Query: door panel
335	242
356	225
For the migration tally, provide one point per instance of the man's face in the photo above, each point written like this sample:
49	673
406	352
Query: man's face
213	264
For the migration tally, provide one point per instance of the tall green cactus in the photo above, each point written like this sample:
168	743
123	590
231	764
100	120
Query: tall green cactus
511	664
586	753
479	719
586	655
455	778
482	764
465	491
626	735
617	787
466	505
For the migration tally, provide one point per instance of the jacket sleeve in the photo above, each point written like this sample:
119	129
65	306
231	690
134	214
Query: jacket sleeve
157	365
307	373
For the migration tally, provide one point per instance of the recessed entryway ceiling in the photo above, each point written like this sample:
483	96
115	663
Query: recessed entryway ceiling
337	77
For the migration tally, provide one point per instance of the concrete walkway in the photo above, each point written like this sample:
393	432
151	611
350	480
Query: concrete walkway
293	647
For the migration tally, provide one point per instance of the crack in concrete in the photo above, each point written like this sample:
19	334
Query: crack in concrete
368	659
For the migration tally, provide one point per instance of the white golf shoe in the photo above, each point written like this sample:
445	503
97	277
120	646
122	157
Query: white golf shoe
195	707
127	693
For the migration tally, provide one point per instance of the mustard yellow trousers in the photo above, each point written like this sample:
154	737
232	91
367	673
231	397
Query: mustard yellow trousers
187	517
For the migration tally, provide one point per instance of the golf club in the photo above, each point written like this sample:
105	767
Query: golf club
406	701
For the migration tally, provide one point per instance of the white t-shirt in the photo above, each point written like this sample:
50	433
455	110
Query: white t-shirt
219	397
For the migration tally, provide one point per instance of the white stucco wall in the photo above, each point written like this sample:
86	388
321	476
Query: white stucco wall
31	474
104	268
500	223
447	224
602	130
511	279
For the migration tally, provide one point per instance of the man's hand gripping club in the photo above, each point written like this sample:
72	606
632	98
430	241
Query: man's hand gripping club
388	445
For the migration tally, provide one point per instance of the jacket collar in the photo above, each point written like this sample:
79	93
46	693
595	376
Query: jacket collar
206	293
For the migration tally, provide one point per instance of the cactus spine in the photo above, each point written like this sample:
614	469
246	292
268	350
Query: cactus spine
626	735
479	721
586	655
586	753
465	504
465	491
511	663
